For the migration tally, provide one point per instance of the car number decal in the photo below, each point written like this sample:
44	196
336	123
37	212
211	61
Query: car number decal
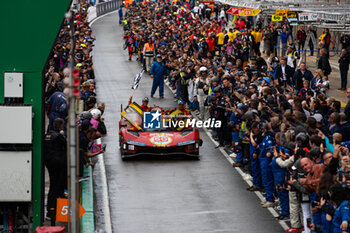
161	140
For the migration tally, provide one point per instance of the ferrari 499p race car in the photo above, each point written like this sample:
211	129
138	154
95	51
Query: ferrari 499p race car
157	132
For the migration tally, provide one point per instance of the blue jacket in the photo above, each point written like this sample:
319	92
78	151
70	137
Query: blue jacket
341	214
56	106
284	38
157	70
266	146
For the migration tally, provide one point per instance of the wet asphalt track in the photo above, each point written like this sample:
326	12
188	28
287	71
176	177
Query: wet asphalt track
150	196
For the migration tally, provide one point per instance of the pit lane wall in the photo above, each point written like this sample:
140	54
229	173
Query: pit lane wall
87	201
102	8
87	192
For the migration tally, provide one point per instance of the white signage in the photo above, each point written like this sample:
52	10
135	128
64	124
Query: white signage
308	17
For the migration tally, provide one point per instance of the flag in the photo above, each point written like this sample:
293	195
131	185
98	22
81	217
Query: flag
137	80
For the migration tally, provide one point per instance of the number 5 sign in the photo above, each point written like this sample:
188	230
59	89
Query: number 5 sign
62	210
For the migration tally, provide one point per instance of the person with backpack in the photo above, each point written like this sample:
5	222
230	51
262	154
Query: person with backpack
344	67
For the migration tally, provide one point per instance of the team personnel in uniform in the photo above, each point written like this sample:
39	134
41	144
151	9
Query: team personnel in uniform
148	54
279	175
255	140
157	72
266	154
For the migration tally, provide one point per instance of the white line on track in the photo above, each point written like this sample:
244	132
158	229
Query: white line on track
104	190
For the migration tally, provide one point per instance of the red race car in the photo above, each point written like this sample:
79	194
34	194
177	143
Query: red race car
157	132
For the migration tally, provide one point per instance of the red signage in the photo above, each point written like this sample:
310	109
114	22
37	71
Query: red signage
235	10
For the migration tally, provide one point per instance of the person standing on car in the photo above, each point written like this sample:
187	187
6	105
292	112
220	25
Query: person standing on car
157	73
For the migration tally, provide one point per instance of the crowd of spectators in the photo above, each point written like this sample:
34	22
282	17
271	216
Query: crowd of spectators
89	120
277	119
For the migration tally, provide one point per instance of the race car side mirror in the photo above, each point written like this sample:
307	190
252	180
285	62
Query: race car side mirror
200	142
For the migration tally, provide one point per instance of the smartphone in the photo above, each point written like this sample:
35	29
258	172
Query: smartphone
308	222
104	147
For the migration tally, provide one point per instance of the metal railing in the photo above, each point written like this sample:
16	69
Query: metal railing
105	7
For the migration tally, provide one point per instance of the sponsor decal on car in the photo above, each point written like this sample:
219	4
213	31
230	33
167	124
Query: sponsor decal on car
185	143
136	143
161	140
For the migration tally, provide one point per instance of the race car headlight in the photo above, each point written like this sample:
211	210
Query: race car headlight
185	143
131	147
124	146
136	143
197	145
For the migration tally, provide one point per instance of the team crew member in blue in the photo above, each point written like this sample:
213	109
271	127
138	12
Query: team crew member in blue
279	175
120	13
266	154
342	213
157	72
56	107
255	140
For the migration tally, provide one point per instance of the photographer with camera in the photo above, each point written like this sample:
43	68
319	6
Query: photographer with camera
307	185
